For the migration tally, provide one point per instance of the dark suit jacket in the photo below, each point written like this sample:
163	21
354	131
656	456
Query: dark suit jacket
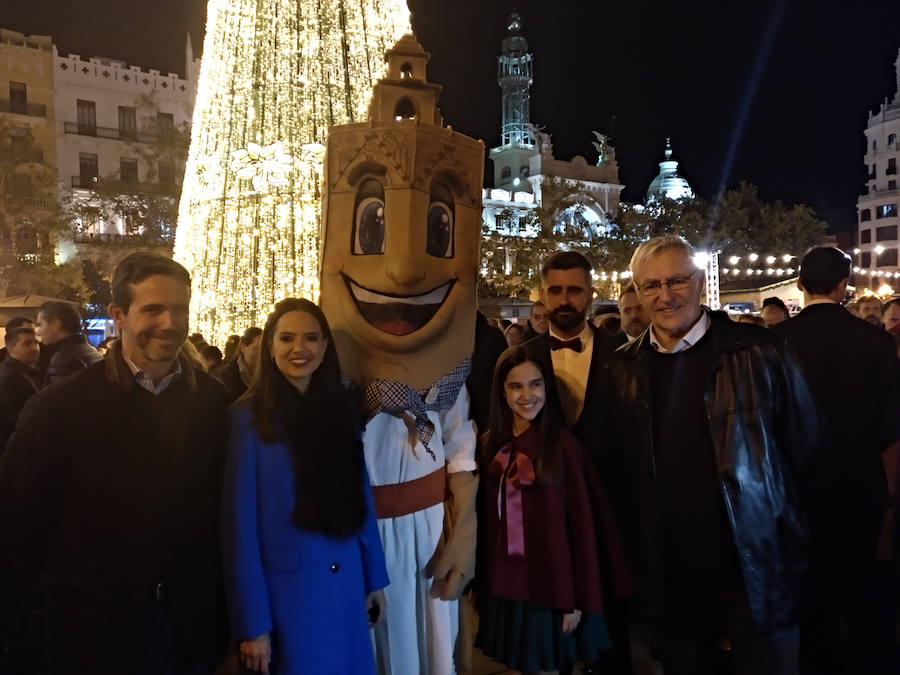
230	375
852	370
18	383
489	345
106	491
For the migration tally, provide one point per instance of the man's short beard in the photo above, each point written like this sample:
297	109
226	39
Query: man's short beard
568	322
874	320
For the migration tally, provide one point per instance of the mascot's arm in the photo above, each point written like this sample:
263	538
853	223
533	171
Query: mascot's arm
453	564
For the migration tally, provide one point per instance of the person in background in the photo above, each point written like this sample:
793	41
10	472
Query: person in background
17	322
119	534
892	321
19	378
538	322
541	599
774	311
212	357
104	345
634	319
303	559
514	334
852	371
710	489
852	308
870	309
237	374
490	343
66	349
611	325
231	348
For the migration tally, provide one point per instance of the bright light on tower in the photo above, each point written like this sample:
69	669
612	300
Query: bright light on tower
275	74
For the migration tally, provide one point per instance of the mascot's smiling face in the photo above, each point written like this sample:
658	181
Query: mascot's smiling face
400	250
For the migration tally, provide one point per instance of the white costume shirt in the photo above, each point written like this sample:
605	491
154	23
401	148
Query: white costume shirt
418	633
572	369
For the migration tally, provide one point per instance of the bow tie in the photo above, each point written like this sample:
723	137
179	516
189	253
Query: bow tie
574	344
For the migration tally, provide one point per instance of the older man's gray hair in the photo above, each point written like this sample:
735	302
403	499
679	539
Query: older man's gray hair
657	245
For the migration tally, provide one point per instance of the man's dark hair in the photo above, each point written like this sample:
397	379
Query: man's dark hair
890	303
13	334
567	260
823	268
133	269
774	301
18	322
64	312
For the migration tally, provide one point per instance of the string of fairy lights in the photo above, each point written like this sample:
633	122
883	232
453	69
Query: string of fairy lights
275	75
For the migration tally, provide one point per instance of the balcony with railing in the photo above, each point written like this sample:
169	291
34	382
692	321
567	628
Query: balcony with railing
29	109
110	133
130	239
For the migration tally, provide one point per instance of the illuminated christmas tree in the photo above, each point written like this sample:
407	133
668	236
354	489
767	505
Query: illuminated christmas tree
275	74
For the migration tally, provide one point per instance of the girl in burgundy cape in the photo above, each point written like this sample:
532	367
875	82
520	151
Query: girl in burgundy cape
540	600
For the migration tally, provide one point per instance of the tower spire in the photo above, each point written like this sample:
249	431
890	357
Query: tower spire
515	71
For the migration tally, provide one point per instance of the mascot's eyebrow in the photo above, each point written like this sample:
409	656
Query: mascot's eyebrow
365	168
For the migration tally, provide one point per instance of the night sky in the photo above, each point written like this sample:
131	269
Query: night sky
772	92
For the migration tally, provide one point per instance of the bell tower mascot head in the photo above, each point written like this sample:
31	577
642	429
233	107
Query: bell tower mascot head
402	227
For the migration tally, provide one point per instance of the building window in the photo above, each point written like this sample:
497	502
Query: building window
886	233
865	259
892	140
891	167
888	258
892	185
865	215
127	122
18	98
87	118
865	236
165	123
128	170
506	172
871	175
89	171
166	173
886	211
523	171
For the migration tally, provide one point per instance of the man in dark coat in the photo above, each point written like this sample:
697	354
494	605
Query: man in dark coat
110	491
712	434
852	370
19	378
489	345
16	322
578	352
66	350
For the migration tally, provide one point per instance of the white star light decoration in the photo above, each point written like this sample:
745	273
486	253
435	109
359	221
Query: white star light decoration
263	165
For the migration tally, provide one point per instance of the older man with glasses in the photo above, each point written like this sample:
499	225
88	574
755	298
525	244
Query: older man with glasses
712	434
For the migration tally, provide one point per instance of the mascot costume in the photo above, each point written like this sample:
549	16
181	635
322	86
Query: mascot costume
402	226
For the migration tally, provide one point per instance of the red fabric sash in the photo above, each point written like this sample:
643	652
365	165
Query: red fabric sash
516	471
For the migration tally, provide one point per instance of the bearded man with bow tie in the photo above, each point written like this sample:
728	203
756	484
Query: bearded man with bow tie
579	352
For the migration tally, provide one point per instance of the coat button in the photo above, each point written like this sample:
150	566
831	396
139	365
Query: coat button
335	568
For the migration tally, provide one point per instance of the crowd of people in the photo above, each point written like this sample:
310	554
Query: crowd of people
662	490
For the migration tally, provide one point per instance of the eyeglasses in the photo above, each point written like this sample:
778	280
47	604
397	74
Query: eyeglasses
652	288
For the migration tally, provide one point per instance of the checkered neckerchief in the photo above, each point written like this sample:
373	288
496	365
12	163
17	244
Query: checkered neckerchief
395	397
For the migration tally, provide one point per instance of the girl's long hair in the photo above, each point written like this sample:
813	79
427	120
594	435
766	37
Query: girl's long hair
549	465
321	428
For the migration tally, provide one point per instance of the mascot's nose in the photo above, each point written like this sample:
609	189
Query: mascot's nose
405	273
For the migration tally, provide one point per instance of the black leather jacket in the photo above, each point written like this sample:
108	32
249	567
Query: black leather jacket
764	429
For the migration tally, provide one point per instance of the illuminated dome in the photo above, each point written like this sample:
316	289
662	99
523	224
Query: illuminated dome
669	184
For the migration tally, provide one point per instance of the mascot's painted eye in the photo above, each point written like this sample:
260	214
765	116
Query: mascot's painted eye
368	237
440	230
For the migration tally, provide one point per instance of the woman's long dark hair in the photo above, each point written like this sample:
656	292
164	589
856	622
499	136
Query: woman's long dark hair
549	465
321	429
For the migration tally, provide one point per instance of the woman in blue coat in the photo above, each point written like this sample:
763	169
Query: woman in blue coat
303	561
